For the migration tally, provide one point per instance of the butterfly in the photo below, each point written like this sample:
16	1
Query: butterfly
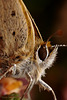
23	53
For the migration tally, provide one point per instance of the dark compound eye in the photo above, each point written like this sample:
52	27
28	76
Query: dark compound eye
42	53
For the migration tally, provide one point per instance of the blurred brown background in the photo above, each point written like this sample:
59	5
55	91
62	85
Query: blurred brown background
51	15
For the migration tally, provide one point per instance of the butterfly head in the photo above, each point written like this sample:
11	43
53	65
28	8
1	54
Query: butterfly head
47	52
46	49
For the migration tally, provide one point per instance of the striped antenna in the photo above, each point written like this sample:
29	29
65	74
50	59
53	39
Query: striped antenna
61	45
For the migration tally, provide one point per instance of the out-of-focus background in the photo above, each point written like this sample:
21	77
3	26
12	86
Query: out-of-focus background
51	15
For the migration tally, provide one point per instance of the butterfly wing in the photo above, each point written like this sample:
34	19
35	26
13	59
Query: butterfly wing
18	34
38	37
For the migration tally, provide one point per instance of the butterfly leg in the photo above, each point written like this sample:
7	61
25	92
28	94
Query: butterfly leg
46	86
28	88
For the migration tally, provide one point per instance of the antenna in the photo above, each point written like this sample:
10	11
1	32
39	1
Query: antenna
59	33
61	45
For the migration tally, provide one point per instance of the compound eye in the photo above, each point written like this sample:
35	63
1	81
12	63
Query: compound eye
42	53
